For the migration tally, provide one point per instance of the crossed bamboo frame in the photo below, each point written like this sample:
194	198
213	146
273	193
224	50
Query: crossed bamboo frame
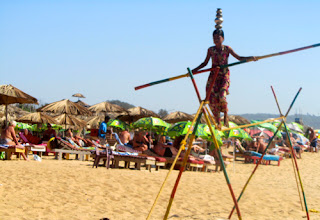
203	109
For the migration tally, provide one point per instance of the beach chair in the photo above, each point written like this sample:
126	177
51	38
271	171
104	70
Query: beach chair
255	157
12	149
66	147
105	155
32	144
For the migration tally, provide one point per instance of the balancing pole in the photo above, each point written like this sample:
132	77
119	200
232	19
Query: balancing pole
295	160
292	160
260	160
224	66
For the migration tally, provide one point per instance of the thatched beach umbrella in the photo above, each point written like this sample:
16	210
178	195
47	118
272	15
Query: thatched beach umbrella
107	107
239	120
10	94
79	102
178	116
78	95
70	120
94	121
202	119
37	118
137	113
13	112
66	107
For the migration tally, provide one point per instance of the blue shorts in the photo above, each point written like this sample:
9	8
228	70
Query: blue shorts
314	143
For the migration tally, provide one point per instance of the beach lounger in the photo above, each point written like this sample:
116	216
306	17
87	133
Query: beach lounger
12	149
64	146
33	145
266	158
105	155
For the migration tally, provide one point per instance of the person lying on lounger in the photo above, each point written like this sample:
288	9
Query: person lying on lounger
82	142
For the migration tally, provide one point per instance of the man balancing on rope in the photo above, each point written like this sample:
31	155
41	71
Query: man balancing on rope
219	55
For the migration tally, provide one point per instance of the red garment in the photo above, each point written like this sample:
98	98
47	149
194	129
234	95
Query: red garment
218	95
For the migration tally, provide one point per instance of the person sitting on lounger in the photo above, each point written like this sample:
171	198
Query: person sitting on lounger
125	138
296	147
140	141
49	133
8	136
261	147
162	148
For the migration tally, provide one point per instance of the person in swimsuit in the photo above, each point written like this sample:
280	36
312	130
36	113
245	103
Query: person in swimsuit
8	137
140	141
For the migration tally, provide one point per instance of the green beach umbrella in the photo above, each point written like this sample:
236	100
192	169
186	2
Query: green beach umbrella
181	128
218	134
239	133
117	124
21	125
149	123
266	125
277	123
297	124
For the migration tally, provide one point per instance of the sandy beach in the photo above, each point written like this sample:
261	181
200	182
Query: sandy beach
72	189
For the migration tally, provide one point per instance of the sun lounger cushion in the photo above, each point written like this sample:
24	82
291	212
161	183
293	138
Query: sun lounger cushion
124	148
124	153
266	157
65	144
33	139
160	159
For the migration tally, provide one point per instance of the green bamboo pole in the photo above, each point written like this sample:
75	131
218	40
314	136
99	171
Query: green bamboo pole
260	160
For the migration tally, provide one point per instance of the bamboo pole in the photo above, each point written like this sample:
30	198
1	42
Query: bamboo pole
260	160
292	160
224	66
195	128
214	137
182	146
295	160
185	159
253	124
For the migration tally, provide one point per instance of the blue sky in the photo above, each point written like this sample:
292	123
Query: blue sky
103	49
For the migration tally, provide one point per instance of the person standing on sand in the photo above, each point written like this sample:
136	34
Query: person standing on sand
103	131
219	56
313	140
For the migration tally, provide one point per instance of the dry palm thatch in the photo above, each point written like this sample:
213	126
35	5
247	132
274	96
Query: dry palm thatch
70	121
238	119
78	95
65	106
178	116
137	113
13	113
37	118
79	102
94	121
202	120
107	107
10	94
